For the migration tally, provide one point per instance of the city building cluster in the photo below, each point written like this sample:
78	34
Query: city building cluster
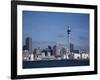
54	52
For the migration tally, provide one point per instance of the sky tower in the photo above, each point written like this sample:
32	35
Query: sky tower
68	38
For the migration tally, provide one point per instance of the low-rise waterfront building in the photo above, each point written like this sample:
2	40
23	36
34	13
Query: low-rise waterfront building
85	55
25	55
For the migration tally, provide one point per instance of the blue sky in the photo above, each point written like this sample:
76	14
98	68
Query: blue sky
49	28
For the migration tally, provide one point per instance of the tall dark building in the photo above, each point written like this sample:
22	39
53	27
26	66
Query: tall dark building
29	44
71	47
50	50
24	47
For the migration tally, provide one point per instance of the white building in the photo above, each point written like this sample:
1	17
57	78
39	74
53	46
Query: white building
25	55
43	54
31	57
85	55
77	55
37	54
66	56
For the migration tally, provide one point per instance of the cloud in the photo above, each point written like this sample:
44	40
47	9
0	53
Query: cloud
61	35
44	42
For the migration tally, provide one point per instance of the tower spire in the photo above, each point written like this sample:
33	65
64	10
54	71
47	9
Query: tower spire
68	37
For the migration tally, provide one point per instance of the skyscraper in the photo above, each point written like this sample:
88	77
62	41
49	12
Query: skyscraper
71	47
29	44
56	50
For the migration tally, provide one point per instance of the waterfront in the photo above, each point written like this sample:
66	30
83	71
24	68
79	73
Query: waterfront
55	63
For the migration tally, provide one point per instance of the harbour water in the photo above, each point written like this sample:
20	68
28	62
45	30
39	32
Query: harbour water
55	63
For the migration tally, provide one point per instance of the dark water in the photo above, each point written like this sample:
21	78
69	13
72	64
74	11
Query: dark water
54	63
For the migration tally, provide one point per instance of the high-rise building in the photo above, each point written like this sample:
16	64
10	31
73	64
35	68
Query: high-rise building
56	50
50	50
63	51
29	44
24	47
71	47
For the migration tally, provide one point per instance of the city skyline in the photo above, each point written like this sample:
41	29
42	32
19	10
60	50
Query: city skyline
52	52
50	28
